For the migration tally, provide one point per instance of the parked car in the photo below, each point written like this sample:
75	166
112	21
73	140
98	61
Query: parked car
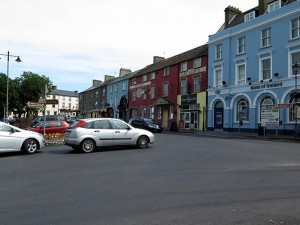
145	123
40	119
88	134
15	139
51	127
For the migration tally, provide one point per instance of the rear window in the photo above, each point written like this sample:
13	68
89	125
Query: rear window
61	117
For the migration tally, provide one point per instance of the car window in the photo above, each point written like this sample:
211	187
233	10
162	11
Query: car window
5	128
49	118
57	124
60	117
101	124
48	125
87	125
116	124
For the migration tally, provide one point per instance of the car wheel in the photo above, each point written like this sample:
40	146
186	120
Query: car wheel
143	142
87	146
30	146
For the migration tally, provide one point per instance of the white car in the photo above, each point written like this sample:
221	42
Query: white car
88	134
15	139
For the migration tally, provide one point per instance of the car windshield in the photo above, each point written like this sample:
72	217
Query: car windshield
150	121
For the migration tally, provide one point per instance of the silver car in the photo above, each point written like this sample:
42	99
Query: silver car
88	134
15	139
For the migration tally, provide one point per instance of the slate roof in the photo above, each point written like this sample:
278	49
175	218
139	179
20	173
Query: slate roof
185	56
64	93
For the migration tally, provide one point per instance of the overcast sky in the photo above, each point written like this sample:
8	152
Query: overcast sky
75	41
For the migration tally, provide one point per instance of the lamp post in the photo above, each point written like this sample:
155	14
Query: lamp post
296	68
18	60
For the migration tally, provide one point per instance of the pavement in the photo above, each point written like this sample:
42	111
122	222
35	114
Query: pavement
238	135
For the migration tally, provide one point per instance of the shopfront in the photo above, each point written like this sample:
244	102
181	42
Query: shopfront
189	112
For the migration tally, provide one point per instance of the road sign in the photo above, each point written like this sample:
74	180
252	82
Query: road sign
288	105
270	117
35	105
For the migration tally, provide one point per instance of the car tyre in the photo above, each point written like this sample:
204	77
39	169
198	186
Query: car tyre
143	142
87	146
30	146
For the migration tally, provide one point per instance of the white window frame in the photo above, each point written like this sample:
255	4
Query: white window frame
152	75
144	78
241	45
263	70
183	85
218	74
196	84
183	66
167	71
266	37
274	6
240	81
295	31
197	62
134	81
218	53
165	89
293	60
134	95
152	92
144	95
249	16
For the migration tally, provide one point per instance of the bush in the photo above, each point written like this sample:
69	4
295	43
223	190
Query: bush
23	122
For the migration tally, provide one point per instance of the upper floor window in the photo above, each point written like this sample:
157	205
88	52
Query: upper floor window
152	92
249	16
241	74
266	37
116	87
197	62
295	58
103	92
183	86
134	81
296	28
183	66
196	84
219	51
124	86
241	45
273	6
166	89
167	71
152	75
266	69
144	78
218	77
134	96
144	94
111	89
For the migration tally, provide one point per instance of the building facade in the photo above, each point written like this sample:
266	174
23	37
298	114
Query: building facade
251	79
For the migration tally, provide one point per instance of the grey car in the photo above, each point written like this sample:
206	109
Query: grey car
88	134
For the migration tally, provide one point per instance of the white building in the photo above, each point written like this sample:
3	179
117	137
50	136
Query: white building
62	102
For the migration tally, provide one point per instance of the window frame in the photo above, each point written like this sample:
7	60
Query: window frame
216	83
197	63
266	37
218	52
296	28
183	66
167	71
241	45
196	85
238	75
183	88
238	110
165	89
263	70
249	16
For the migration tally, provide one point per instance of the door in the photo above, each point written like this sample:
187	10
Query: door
102	131
194	120
123	135
165	118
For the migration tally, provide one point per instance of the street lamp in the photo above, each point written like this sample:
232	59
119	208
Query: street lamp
296	68
18	60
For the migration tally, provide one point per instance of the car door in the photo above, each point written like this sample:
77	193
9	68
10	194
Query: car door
123	135
8	139
102	131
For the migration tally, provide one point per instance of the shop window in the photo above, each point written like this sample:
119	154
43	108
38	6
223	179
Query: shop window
295	110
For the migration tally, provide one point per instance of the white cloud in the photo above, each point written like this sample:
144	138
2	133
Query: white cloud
76	41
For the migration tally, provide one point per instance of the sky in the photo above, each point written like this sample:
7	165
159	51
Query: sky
74	42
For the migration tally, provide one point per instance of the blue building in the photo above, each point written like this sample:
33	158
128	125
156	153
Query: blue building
252	84
117	95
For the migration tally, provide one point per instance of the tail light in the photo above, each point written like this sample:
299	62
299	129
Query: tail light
80	124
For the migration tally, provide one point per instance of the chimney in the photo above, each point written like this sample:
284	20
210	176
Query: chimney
263	6
124	71
157	59
108	77
96	82
230	13
54	88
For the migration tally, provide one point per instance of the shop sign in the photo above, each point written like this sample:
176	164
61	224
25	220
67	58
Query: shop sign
192	71
140	85
189	99
266	86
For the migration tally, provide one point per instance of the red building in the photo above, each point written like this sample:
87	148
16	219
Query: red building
169	89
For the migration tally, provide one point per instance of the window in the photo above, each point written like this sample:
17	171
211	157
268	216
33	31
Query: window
134	96
295	58
218	77
134	81
152	92
152	75
111	89
103	92
197	63
144	111
266	69
159	112
166	89
241	73
144	79
96	95
249	16
241	48
294	111
242	110
124	86
101	124
144	94
167	71
183	86
296	28
151	112
267	103
116	124
116	87
266	37
196	84
183	66
219	51
274	6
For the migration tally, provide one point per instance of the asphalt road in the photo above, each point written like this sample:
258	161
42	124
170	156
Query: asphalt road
181	179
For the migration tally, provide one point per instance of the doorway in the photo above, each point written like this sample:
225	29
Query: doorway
218	115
